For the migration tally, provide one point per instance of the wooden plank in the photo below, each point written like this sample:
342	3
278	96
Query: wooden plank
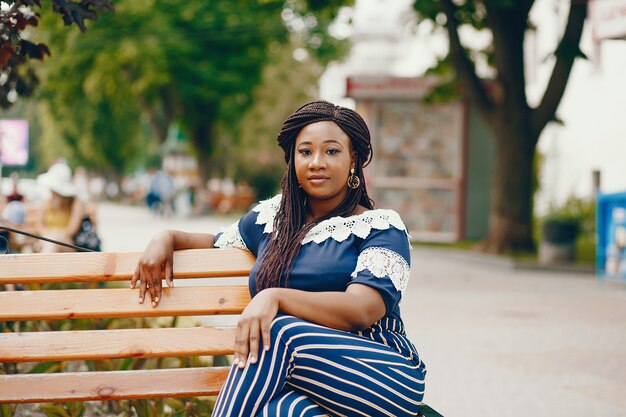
110	266
120	302
114	344
115	385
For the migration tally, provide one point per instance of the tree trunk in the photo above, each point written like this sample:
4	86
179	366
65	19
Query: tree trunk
511	214
201	136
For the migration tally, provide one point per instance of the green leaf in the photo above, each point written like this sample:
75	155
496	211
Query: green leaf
7	410
53	410
44	367
126	364
78	12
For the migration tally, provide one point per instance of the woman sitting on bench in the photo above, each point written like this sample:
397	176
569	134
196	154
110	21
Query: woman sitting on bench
322	334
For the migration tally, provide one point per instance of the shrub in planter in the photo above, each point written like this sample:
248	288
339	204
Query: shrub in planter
560	231
561	227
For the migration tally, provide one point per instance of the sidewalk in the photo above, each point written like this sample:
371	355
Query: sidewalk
130	228
505	342
498	341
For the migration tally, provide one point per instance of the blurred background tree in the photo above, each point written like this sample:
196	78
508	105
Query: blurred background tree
17	77
109	95
287	83
502	101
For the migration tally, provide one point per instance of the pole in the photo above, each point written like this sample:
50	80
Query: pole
595	177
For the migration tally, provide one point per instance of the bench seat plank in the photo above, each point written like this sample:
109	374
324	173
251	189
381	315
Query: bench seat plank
113	344
109	266
120	302
112	385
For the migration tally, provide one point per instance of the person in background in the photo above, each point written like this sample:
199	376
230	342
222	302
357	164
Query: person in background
13	215
161	193
61	214
15	194
14	209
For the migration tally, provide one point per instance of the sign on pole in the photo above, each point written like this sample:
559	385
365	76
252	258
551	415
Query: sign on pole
13	142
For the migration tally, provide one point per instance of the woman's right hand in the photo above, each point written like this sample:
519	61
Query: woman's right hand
155	263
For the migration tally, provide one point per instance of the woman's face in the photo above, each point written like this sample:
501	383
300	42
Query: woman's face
323	158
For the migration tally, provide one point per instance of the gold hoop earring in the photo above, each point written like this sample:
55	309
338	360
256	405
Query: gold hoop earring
353	180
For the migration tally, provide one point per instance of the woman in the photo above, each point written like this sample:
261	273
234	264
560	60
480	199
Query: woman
322	334
62	214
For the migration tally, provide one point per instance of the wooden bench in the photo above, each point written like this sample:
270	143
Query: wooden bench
94	302
95	295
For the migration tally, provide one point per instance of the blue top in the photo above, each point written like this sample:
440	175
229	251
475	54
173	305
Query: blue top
371	248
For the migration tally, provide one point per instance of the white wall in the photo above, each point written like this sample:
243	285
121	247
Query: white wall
593	110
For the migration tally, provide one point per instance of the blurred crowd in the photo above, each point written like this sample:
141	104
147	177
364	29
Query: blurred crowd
62	206
58	205
165	194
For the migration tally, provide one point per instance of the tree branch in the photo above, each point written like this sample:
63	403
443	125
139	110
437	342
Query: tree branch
566	52
525	6
463	63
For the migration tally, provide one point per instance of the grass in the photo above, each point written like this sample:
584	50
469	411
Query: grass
585	250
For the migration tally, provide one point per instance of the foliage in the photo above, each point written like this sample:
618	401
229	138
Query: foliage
175	407
580	211
117	88
17	78
573	221
7	410
68	409
579	214
286	85
502	101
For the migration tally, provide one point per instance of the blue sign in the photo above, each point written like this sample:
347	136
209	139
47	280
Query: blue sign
611	229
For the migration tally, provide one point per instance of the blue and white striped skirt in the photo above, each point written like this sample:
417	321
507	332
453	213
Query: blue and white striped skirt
311	370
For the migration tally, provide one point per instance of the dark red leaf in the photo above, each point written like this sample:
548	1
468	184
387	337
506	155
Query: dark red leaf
6	52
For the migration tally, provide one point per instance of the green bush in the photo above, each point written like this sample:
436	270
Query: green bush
580	214
575	210
559	230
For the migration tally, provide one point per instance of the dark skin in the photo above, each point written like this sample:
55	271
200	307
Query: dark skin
323	158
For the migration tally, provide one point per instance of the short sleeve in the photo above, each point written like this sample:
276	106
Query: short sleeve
248	231
243	234
384	264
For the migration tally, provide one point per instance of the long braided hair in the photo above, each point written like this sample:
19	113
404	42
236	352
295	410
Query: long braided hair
290	223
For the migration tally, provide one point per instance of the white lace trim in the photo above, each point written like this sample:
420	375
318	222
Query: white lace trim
231	238
337	228
382	262
267	210
340	228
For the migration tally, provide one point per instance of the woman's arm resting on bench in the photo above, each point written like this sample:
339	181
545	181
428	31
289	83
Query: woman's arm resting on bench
156	262
354	309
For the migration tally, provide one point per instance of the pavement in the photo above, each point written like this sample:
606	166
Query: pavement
498	340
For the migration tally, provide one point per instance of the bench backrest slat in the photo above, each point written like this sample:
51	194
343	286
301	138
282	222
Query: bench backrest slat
109	266
115	344
111	385
120	302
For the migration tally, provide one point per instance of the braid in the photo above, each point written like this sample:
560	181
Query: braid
290	223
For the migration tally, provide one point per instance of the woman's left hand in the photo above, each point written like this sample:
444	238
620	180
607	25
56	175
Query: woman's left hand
254	326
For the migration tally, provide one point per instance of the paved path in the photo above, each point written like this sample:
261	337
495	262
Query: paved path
498	342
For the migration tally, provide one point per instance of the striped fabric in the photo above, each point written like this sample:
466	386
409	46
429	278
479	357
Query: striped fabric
311	370
289	402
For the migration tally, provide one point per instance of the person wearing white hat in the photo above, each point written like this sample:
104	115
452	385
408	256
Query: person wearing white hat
62	213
